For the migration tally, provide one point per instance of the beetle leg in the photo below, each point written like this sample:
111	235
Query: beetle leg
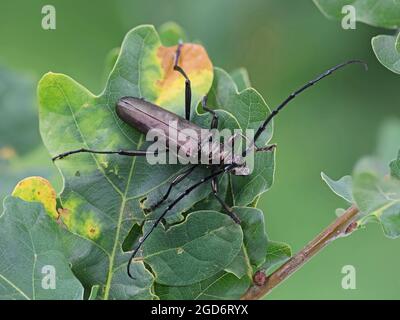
130	153
268	148
174	182
214	121
228	209
188	89
170	206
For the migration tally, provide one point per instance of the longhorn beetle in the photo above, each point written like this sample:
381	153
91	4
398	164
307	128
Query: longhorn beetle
144	116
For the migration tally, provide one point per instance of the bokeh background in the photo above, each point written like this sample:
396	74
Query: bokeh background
282	44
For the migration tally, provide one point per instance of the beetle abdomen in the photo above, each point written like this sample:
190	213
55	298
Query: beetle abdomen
144	116
181	135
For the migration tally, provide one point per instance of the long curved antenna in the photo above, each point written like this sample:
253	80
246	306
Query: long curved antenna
155	224
293	95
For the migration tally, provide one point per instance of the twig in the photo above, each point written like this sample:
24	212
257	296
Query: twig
342	226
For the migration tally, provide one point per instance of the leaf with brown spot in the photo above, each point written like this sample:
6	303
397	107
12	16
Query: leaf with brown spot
37	189
196	64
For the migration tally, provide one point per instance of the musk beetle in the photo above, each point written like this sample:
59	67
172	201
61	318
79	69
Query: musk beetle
145	116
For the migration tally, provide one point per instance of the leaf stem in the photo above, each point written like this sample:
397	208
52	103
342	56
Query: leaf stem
342	226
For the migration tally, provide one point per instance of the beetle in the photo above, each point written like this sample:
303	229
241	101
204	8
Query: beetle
144	116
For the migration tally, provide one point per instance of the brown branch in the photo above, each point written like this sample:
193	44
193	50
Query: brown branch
342	226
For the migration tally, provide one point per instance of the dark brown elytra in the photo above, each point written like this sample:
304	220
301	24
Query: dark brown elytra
143	116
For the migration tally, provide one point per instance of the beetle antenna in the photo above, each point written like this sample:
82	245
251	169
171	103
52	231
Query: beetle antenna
293	95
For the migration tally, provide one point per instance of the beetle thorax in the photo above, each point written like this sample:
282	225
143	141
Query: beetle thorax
240	168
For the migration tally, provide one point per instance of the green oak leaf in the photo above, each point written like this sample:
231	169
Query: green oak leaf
277	253
247	106
395	167
233	283
31	248
343	187
222	286
247	189
378	199
90	265
237	277
371	188
102	195
375	193
378	13
254	236
259	251
250	110
109	63
240	265
94	292
170	33
241	78
385	50
89	262
192	251
371	164
211	202
398	42
255	242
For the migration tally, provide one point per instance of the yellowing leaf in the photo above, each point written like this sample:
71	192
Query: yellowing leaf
37	189
194	60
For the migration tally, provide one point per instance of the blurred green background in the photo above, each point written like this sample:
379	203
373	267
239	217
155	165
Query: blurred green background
282	44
